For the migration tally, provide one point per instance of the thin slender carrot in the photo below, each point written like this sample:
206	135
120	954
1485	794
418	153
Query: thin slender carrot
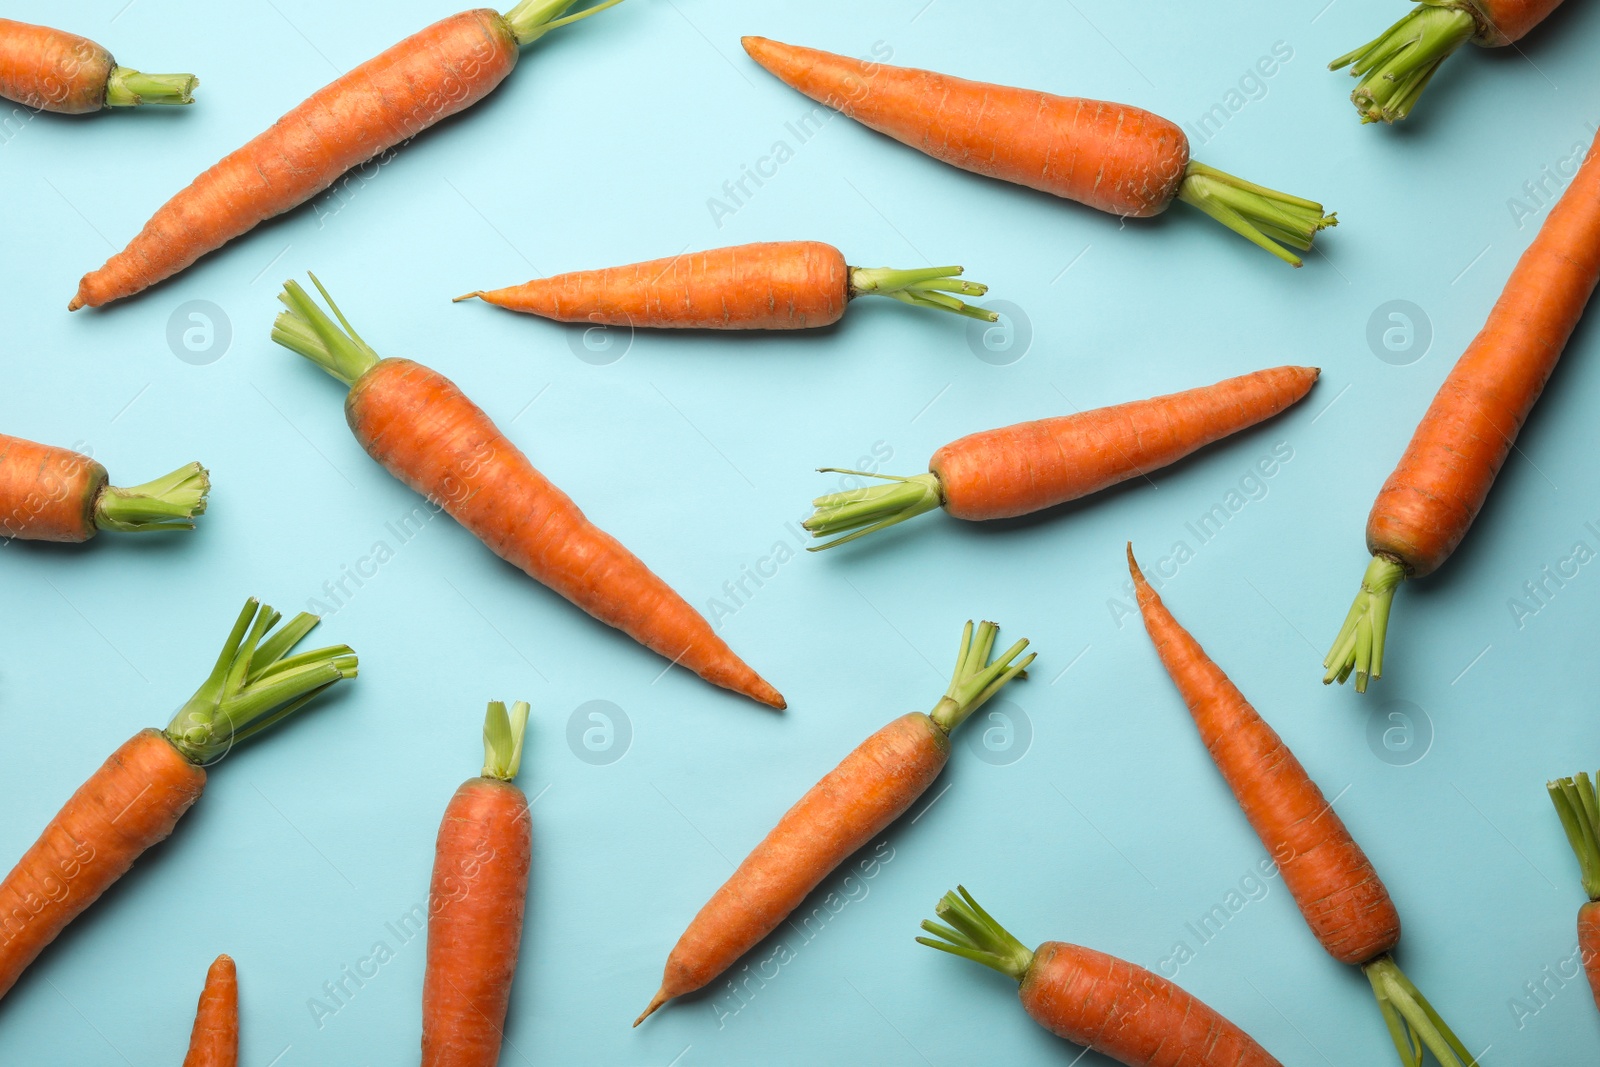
215	1039
56	494
52	70
1579	811
425	432
1031	466
1436	491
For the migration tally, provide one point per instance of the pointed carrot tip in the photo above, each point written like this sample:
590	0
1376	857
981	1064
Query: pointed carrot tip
659	999
77	302
467	296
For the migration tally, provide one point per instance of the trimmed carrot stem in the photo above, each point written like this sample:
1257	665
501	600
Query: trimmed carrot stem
1579	811
1399	63
973	934
131	88
532	19
930	287
1265	217
167	503
1359	646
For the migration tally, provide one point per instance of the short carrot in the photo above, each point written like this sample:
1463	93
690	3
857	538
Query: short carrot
52	70
1015	470
1331	879
56	494
429	76
771	285
869	789
136	798
425	432
476	902
215	1039
1112	157
1579	811
1103	1003
1435	492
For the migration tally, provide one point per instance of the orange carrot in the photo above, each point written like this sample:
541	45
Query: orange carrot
853	803
476	902
52	70
1112	157
1098	1001
56	494
1579	811
1336	887
136	798
1442	480
427	77
772	285
425	432
215	1039
1031	466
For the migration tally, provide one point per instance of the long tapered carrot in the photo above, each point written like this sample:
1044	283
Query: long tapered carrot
1579	811
868	790
136	798
771	285
387	100
425	432
476	902
1031	466
52	70
1113	157
1334	884
56	494
214	1042
1103	1003
1435	492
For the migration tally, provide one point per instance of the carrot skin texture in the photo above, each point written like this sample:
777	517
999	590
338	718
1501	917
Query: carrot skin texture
1503	22
52	70
476	903
1335	885
427	433
770	285
429	76
1589	945
1113	157
1024	468
47	493
131	803
1130	1014
215	1039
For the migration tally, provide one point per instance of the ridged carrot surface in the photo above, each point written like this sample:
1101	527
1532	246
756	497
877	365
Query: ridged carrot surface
1589	946
1502	22
52	70
47	493
214	1041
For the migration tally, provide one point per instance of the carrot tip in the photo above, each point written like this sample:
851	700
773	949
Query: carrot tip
467	296
659	999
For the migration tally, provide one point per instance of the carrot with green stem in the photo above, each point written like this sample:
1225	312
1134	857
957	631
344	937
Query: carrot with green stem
1331	879
1113	157
1436	491
1016	470
1579	811
1103	1003
56	494
771	285
424	79
136	798
869	789
425	432
214	1042
52	70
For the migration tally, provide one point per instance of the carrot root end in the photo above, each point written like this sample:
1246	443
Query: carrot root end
661	997
1359	647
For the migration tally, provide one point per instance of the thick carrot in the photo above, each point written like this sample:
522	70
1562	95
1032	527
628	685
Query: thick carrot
1435	492
772	285
1396	66
56	494
1579	811
424	431
136	798
52	70
1334	884
853	803
387	100
1103	1003
1030	466
214	1041
476	902
1113	157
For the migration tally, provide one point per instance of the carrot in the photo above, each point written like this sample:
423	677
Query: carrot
771	285
136	798
1016	470
1103	1003
387	100
1395	67
56	494
854	802
476	902
425	432
1113	157
215	1039
52	70
1334	884
1579	811
1442	480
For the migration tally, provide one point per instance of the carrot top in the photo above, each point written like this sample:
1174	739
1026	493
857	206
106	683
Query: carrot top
1265	217
130	88
532	19
1575	803
929	287
1413	1023
1359	646
973	934
305	328
168	503
255	683
976	679
1396	66
502	739
858	512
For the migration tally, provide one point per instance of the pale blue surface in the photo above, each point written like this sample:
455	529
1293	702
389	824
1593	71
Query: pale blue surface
1114	830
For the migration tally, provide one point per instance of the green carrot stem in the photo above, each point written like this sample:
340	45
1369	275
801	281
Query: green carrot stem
1579	811
170	502
305	328
1413	1023
872	507
1264	217
1359	646
973	934
131	88
502	739
926	287
976	679
532	19
1397	65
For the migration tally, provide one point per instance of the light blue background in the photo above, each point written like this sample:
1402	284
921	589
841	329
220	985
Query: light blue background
1112	830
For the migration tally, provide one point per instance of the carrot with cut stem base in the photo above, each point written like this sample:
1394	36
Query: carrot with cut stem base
53	70
214	1042
56	494
1579	811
